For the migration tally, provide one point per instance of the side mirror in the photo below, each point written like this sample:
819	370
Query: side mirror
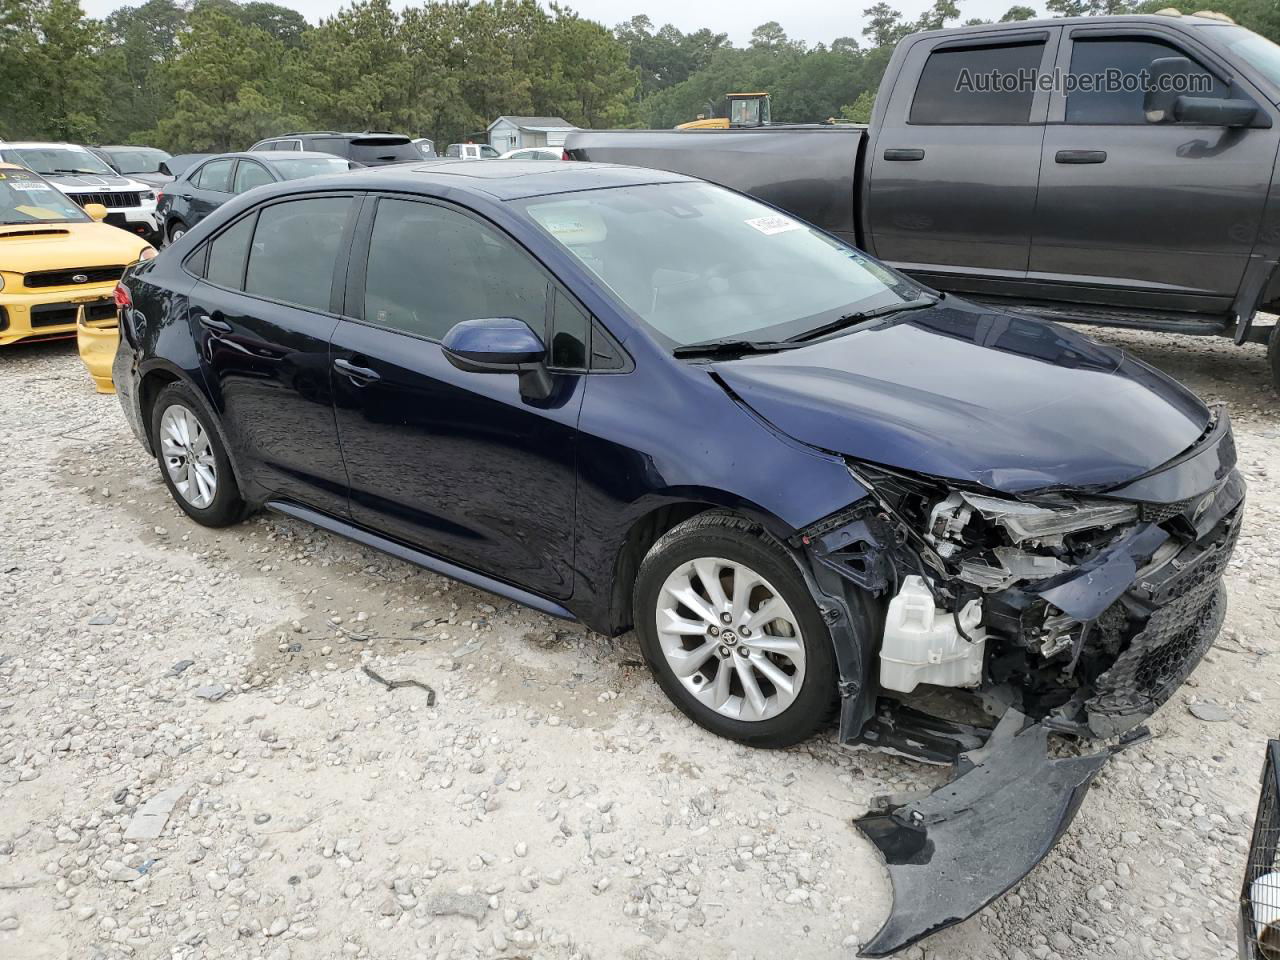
500	345
1214	112
96	210
1165	87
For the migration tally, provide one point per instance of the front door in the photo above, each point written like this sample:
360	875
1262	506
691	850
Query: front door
1156	215
953	169
263	316
458	464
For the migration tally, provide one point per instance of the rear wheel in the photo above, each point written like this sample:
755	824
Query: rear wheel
732	633
193	461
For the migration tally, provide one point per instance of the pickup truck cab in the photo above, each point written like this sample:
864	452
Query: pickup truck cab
1075	191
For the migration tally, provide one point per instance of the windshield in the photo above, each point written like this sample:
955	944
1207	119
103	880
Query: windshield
136	159
1259	52
697	262
28	199
296	169
55	160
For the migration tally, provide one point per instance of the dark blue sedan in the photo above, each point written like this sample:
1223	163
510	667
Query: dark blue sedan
203	187
637	399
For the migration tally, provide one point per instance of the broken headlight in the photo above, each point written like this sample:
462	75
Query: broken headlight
1043	522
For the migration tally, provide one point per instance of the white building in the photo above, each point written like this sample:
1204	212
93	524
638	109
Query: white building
510	133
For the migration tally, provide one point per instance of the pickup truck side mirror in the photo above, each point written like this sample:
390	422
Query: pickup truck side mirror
500	345
1215	112
1167	99
1158	100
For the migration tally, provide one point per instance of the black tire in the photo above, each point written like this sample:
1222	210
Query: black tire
227	506
174	225
740	541
1273	355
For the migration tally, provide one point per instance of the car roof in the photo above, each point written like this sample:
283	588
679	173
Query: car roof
509	180
21	144
268	156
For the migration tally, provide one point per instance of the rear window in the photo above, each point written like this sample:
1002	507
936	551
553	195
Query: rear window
295	251
370	150
955	85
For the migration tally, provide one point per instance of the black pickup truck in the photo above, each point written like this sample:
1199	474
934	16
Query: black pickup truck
1111	170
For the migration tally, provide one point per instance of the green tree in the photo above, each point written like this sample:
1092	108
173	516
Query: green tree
57	69
885	26
936	17
860	110
1016	13
140	42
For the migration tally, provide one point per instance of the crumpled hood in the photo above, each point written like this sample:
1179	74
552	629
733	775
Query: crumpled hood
969	394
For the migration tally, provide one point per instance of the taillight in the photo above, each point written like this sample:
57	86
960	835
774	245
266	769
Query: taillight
124	299
159	197
564	155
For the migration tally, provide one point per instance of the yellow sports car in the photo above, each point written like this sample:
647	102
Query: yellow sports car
57	262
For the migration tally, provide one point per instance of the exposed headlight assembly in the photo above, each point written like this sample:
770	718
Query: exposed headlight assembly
1030	521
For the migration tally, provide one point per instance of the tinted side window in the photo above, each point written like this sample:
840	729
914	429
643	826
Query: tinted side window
570	332
955	85
215	175
430	267
1112	62
338	146
227	252
295	250
250	175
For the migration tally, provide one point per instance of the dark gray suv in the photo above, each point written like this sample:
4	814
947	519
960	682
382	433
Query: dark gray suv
371	148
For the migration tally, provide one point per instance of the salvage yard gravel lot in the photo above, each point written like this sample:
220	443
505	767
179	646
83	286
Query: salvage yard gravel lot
549	802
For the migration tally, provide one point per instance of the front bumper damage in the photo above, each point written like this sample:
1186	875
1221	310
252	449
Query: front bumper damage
1087	644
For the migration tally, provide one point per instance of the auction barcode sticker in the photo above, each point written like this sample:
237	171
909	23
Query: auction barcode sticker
771	225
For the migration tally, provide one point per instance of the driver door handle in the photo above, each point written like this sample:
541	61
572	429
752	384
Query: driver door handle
360	375
218	326
1080	156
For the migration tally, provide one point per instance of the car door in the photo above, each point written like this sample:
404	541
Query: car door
211	188
458	464
951	190
1158	215
263	313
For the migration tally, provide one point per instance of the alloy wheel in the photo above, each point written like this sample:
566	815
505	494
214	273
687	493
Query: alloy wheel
730	638
188	456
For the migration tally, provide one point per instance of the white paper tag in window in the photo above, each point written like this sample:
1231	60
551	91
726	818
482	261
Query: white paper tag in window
771	225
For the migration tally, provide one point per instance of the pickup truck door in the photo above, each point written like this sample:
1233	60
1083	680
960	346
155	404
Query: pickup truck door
1147	215
950	193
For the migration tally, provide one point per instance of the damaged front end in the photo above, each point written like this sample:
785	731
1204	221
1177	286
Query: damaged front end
1061	611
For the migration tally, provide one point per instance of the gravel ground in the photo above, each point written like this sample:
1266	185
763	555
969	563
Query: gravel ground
549	802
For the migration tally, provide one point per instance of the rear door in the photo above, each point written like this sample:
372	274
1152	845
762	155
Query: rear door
1155	215
955	164
458	464
250	174
263	312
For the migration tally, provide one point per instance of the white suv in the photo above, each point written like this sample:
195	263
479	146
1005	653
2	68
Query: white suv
86	178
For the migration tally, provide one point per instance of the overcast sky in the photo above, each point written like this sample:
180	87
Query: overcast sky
808	20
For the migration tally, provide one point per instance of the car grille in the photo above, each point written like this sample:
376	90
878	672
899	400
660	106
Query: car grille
1260	932
71	278
1173	641
131	198
58	314
1160	512
4	319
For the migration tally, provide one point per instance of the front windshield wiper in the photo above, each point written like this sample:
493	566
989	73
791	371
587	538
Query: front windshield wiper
78	172
861	316
723	348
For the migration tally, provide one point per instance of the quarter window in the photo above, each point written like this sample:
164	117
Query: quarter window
227	252
1112	69
250	175
430	267
956	86
216	176
295	251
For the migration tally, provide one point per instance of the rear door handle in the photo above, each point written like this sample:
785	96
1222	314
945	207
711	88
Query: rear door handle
1080	156
904	153
218	326
360	375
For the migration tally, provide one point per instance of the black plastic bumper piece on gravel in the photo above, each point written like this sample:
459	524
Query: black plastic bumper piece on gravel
953	852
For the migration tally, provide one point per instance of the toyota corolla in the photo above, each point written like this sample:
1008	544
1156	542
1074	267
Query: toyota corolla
810	485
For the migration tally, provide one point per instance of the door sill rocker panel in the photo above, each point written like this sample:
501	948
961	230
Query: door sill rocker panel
419	558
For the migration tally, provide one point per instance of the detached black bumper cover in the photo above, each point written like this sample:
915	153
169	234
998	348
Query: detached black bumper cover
965	844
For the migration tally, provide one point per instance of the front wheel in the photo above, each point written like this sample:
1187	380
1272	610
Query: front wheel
176	230
732	633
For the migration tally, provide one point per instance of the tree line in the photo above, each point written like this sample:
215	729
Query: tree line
212	75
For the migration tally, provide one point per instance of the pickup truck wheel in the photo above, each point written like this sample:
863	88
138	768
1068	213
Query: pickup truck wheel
732	634
1273	355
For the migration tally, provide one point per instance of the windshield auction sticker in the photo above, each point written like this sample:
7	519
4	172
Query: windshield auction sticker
771	225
